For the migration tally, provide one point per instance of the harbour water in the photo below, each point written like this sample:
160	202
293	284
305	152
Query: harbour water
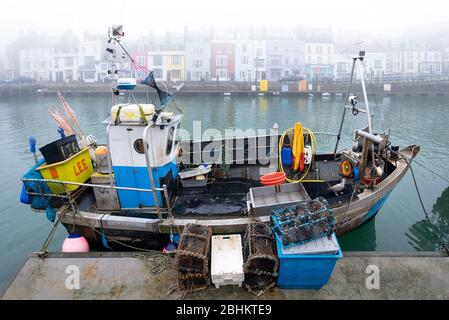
399	226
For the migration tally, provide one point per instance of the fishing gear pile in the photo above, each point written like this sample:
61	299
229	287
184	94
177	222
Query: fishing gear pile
259	256
192	258
303	222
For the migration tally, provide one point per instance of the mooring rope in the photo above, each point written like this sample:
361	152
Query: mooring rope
435	231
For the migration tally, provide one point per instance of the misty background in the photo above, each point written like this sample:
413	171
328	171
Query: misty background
349	20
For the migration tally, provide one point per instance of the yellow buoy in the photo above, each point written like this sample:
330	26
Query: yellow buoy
346	168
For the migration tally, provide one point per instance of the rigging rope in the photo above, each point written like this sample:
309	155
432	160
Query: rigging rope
435	232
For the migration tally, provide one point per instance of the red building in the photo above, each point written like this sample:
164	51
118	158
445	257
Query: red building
222	54
141	59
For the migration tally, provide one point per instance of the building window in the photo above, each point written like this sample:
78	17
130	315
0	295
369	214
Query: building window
197	51
222	73
329	49
259	52
318	59
286	61
244	48
242	74
222	61
275	73
140	60
197	63
157	60
176	60
378	64
244	59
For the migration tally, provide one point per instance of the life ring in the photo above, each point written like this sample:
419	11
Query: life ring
346	168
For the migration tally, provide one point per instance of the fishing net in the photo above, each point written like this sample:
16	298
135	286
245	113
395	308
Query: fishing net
303	222
192	258
259	256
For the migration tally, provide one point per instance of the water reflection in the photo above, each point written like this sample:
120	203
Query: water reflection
360	239
420	234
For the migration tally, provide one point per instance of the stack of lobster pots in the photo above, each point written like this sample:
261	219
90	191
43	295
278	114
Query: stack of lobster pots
192	258
260	259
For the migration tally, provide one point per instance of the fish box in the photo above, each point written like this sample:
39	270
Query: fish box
227	260
78	168
307	266
60	149
106	198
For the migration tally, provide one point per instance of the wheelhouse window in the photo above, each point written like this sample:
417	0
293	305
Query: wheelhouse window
170	140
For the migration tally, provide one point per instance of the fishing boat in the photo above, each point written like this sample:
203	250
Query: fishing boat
145	185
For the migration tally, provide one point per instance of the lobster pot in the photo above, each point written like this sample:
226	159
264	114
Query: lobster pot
192	257
301	223
259	256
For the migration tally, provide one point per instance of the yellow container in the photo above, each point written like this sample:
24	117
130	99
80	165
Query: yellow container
77	168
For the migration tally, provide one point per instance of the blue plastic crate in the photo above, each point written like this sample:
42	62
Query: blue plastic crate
305	271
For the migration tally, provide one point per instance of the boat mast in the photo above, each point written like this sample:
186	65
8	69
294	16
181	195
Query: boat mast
355	60
115	34
348	92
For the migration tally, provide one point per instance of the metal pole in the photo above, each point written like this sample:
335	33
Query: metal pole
150	172
365	98
354	60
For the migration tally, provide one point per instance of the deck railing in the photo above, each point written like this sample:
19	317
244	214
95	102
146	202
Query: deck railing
60	189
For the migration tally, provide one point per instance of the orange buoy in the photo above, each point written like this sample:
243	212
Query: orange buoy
346	168
273	178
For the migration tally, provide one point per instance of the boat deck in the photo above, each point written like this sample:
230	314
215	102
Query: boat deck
416	275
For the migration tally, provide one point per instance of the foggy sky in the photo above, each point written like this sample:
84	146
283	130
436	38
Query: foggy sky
380	18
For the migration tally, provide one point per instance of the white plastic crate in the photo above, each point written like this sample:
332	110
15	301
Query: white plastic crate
227	260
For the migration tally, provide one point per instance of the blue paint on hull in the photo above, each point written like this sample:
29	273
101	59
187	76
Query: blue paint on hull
376	207
137	177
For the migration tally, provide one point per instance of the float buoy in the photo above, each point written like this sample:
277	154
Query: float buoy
273	178
75	243
346	168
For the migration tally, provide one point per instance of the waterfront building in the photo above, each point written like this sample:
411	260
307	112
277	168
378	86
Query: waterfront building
244	61
65	59
198	62
92	65
412	62
342	65
285	58
36	62
140	55
375	64
445	61
167	65
222	60
2	68
430	62
319	59
260	60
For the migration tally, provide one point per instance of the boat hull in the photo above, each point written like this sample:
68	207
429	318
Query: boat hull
151	233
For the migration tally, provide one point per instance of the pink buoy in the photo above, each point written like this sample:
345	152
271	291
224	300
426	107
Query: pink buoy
75	243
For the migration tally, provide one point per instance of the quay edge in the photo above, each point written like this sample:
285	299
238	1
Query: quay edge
403	275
